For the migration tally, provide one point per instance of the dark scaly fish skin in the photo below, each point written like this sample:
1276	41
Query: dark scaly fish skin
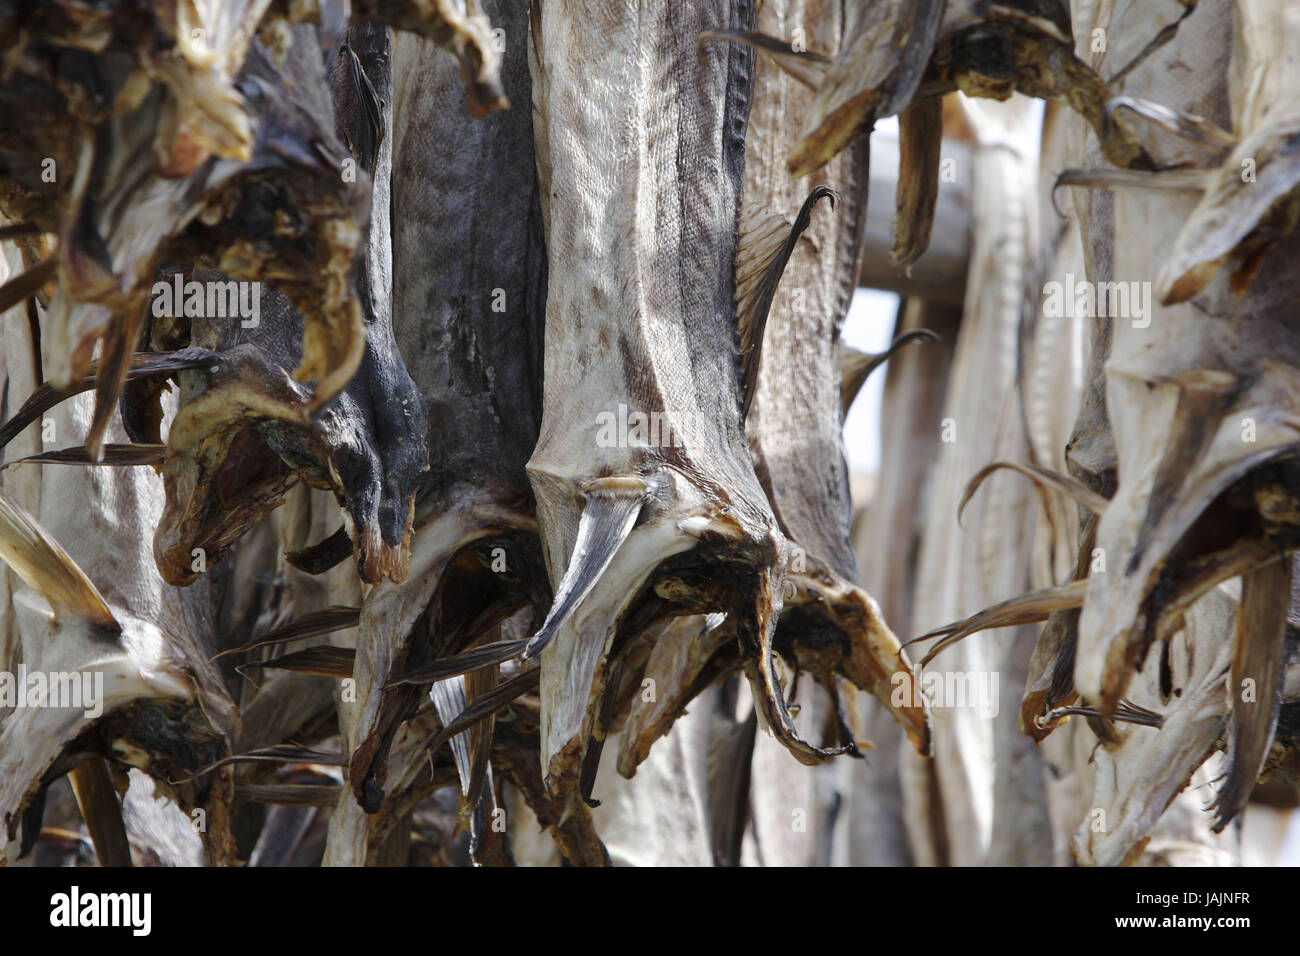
469	285
368	444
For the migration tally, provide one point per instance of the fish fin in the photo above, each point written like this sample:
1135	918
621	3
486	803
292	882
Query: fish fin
763	249
1043	478
1022	609
325	660
48	570
856	367
611	509
320	557
804	66
731	752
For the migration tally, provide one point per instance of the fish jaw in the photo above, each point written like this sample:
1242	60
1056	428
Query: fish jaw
1136	780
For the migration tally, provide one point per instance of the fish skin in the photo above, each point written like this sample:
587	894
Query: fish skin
794	425
369	443
659	341
469	282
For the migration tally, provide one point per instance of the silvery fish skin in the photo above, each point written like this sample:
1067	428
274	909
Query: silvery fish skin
794	425
793	378
640	326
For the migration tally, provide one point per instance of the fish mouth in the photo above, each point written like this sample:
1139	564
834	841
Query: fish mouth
831	628
682	557
220	474
1141	769
1218	532
471	569
682	560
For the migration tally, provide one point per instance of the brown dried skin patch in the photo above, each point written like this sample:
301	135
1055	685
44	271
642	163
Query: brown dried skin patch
1034	56
1238	219
855	643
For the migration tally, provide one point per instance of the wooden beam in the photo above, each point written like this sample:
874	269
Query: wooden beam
940	274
